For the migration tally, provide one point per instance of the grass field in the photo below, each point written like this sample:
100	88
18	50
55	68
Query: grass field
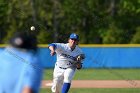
98	90
100	74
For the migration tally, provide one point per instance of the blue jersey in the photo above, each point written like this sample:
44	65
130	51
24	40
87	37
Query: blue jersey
19	69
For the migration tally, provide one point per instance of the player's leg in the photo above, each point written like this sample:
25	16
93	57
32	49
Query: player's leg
57	85
57	80
60	83
68	76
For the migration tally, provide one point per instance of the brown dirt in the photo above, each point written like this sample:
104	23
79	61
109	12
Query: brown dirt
98	84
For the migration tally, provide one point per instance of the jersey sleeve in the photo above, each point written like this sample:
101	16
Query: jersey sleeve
57	46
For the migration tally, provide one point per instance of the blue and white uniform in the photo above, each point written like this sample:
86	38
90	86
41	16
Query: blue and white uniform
65	65
65	56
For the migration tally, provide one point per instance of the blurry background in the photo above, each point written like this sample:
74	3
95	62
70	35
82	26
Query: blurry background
96	21
102	22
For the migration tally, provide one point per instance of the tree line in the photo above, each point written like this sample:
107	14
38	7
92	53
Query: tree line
96	21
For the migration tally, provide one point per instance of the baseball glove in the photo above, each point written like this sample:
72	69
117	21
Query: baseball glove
78	65
79	61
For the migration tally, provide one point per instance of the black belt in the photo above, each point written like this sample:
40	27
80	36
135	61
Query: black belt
61	67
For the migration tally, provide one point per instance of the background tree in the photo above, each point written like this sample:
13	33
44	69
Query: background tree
96	21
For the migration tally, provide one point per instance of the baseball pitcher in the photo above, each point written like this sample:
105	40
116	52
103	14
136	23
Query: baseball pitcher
69	58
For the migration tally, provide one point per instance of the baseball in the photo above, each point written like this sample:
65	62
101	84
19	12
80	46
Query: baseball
32	28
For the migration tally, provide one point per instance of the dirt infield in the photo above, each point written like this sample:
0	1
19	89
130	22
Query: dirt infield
99	84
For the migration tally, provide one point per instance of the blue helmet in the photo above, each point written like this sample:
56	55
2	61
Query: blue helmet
74	36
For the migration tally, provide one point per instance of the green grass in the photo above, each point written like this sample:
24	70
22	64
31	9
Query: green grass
99	90
100	74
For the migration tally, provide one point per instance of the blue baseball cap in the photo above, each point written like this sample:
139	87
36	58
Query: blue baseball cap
74	36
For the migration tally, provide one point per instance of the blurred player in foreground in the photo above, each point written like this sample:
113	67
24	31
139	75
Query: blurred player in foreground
69	58
20	68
